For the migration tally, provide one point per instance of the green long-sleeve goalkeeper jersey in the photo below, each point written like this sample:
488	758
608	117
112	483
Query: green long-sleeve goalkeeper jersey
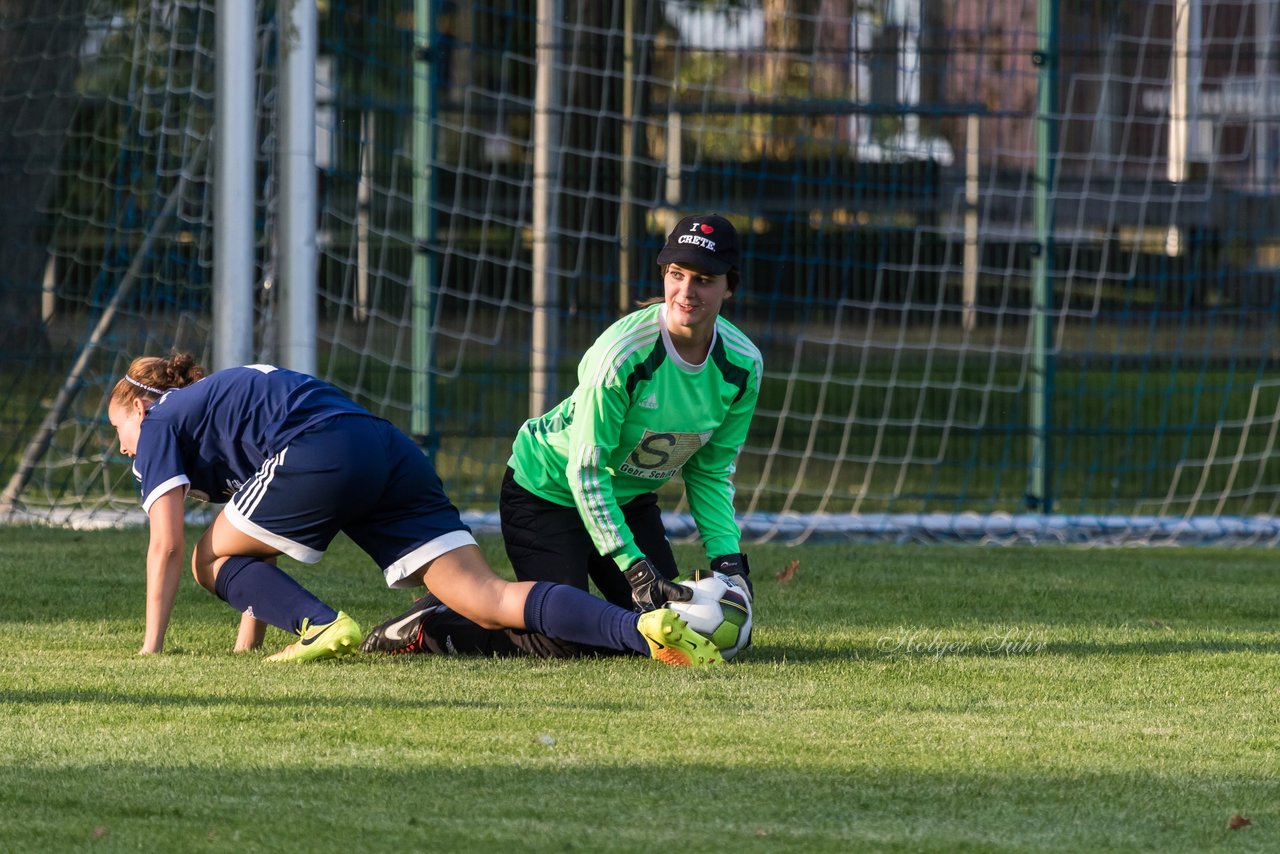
639	415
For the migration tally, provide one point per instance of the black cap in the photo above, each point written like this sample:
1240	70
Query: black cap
706	242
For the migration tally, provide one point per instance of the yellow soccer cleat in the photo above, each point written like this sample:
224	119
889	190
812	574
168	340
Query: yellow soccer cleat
328	640
671	641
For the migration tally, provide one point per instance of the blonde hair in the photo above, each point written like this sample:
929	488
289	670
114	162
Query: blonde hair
152	376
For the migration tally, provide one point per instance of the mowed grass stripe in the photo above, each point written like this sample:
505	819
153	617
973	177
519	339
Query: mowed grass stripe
897	698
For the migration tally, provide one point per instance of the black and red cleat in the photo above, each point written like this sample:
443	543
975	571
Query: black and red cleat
406	633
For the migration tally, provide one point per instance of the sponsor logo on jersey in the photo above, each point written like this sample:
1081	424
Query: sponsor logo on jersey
658	456
650	402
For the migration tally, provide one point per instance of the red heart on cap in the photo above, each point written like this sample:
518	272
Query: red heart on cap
706	229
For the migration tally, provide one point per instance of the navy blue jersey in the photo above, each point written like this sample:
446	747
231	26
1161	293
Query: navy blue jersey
213	435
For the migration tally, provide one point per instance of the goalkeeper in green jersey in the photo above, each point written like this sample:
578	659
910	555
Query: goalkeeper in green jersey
668	389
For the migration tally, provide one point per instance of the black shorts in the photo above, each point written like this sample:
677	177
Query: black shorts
548	542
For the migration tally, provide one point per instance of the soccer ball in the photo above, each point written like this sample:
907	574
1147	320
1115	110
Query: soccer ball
720	611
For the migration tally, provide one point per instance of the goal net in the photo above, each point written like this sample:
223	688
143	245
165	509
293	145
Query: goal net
1013	279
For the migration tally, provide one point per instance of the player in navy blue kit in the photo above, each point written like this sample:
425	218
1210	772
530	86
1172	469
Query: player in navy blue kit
295	462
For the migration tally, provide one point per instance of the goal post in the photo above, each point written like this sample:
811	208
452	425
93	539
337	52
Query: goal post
1011	264
1040	465
233	183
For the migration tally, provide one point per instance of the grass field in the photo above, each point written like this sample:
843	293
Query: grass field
897	699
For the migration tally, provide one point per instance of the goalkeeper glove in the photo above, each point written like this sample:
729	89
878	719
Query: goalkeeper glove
651	591
735	566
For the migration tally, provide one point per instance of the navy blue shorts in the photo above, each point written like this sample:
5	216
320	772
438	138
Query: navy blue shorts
358	475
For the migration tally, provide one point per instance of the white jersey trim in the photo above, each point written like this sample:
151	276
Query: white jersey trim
606	534
622	351
249	496
177	480
738	342
674	354
400	573
246	526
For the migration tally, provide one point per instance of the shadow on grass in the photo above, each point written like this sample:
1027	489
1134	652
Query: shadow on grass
237	701
417	801
995	646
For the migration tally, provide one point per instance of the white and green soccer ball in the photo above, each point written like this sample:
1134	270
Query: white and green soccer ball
720	611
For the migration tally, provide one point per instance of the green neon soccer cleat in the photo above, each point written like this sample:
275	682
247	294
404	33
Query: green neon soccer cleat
330	640
671	641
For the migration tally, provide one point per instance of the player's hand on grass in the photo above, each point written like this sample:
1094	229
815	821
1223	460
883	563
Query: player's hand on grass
736	567
651	591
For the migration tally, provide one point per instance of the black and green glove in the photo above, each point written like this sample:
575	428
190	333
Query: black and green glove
736	567
651	591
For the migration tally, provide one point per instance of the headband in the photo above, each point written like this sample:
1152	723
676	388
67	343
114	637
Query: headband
131	381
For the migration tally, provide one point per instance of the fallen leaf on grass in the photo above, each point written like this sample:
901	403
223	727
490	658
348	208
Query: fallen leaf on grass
99	832
1238	821
788	573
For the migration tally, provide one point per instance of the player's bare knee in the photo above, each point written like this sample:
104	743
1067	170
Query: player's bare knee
204	568
204	576
483	607
486	622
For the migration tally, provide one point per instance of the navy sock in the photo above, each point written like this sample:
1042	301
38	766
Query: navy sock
567	613
267	592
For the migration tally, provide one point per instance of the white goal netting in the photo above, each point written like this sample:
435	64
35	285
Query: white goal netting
1012	283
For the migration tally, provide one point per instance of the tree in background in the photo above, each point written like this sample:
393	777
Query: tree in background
39	49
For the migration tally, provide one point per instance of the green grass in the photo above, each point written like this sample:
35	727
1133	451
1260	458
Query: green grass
897	699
